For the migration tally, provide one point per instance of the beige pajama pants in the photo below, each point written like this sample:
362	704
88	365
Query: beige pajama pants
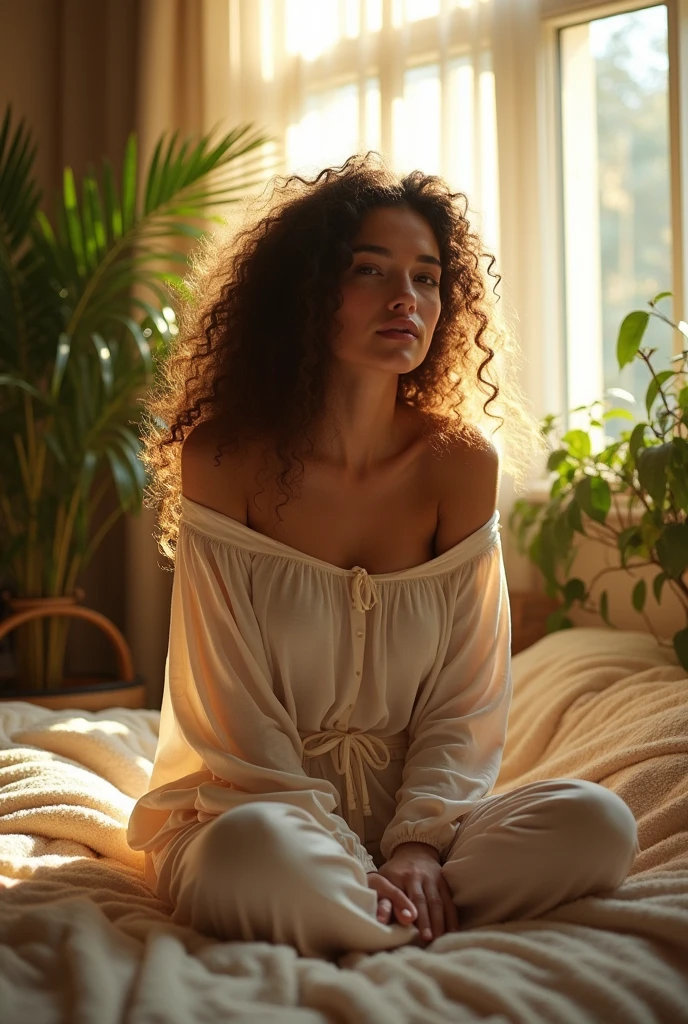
266	871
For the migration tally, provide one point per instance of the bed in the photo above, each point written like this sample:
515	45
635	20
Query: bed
83	939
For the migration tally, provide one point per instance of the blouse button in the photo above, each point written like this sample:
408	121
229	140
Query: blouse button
358	671
359	632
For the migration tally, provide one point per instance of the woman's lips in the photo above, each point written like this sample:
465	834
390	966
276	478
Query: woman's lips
397	335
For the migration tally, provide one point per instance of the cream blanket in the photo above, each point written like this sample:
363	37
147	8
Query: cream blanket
83	939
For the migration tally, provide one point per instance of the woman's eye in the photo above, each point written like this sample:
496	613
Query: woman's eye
367	271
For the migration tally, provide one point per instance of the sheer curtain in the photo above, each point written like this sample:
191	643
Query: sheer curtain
447	86
183	75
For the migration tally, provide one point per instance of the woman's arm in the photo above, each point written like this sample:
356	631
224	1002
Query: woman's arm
459	720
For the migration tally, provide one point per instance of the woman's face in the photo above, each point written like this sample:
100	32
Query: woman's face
394	276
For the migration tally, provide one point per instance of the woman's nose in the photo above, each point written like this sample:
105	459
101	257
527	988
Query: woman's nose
404	299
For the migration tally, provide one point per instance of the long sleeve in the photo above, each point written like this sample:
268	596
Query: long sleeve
225	738
458	726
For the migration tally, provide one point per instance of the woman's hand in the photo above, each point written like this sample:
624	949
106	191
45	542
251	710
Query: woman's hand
388	897
414	868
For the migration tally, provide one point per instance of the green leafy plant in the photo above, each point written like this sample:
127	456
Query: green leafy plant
642	476
86	306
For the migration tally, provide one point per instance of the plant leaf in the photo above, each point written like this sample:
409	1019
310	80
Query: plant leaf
681	647
557	620
652	471
654	386
574	590
129	173
631	334
64	347
19	192
578	443
672	549
104	360
573	514
594	497
7	380
73	224
639	594
604	607
637	440
121	475
628	542
556	458
657	584
623	414
113	210
138	336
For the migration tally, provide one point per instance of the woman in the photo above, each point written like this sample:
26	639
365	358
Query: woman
338	678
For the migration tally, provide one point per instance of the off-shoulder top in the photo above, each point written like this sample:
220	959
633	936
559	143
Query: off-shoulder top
378	702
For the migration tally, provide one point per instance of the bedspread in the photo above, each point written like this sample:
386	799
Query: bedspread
83	939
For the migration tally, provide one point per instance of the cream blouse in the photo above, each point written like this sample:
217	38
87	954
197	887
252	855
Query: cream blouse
378	702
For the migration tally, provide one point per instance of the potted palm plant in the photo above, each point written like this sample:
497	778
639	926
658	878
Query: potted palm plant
86	306
631	494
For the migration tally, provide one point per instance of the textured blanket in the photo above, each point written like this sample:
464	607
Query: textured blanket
83	939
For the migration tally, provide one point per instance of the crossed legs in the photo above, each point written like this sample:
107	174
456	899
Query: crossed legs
266	871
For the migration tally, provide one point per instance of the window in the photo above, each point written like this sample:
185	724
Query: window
410	78
616	193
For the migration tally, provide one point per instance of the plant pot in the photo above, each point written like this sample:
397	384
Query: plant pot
86	693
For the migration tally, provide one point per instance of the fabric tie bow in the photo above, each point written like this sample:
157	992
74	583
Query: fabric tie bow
364	590
349	751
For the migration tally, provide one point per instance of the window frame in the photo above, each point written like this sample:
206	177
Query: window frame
560	14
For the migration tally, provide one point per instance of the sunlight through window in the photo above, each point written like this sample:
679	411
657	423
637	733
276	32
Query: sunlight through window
417	121
616	194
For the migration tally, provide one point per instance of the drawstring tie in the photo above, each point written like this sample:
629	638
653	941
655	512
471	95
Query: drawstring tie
364	591
349	751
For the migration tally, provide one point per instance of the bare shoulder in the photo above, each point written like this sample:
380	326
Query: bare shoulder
214	475
467	475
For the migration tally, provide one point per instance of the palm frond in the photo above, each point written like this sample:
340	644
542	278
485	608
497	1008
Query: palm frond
82	295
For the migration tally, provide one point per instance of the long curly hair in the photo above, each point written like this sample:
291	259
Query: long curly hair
253	349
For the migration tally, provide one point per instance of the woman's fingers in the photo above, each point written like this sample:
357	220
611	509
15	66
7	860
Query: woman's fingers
390	896
437	912
423	923
384	910
404	908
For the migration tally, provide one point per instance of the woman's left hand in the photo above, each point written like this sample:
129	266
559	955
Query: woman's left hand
415	869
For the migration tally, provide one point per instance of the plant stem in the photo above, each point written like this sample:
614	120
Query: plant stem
646	360
103	529
66	539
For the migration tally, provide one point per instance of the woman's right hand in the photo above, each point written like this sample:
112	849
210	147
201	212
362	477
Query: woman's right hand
390	897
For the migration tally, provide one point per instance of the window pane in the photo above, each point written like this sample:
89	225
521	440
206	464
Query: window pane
617	217
461	162
416	121
470	147
328	132
373	126
310	28
372	13
416	10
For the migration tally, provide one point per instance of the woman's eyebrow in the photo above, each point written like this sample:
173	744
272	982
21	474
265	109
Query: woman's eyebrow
382	251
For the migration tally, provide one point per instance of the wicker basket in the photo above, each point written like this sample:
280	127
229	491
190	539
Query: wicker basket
89	693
